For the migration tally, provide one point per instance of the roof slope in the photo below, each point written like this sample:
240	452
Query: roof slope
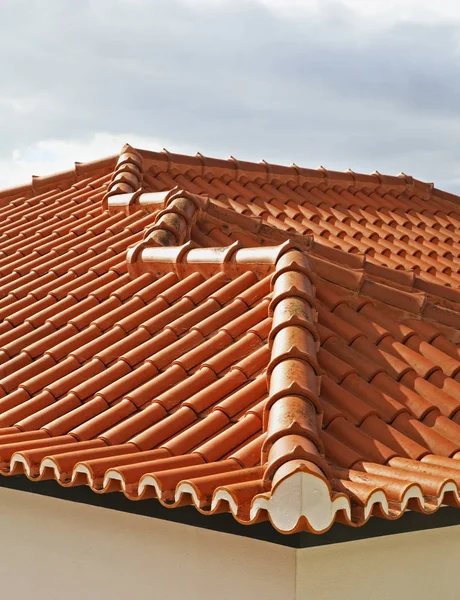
277	342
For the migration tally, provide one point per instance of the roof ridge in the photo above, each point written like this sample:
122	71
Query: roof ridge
293	414
42	183
131	164
349	180
237	169
127	175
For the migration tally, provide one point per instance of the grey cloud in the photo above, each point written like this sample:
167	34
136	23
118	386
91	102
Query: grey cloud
234	78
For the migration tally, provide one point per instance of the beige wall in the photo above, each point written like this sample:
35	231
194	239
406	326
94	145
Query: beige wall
57	550
419	565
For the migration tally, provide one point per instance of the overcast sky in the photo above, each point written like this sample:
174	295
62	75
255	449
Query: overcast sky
360	84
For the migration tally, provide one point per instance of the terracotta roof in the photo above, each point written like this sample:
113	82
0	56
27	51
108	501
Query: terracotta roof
276	342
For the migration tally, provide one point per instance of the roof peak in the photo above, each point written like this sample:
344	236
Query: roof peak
240	170
164	160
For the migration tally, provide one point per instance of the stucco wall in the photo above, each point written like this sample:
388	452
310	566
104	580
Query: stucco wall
424	565
57	550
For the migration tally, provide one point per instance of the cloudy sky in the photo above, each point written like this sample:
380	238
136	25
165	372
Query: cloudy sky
360	84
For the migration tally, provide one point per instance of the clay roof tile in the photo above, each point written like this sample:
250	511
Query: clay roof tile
208	331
